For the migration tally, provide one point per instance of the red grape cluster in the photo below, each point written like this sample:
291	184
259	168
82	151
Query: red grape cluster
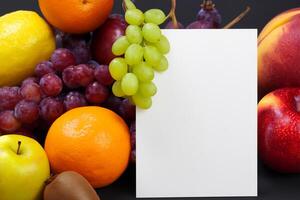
133	142
208	17
59	85
69	79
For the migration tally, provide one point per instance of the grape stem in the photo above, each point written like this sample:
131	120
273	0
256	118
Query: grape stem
172	14
127	4
207	5
238	18
124	6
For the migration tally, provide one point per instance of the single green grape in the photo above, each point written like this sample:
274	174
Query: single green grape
155	16
144	72
129	4
147	89
134	34
117	89
118	68
151	32
142	102
152	56
120	46
134	17
130	84
163	45
134	54
163	66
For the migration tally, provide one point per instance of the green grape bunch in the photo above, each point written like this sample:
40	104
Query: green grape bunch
141	52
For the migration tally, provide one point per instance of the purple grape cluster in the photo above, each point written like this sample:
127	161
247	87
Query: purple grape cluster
208	17
60	84
133	142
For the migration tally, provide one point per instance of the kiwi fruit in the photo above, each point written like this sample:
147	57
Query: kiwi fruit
69	186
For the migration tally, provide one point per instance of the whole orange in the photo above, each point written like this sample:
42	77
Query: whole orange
76	16
92	141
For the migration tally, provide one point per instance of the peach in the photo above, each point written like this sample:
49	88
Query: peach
279	53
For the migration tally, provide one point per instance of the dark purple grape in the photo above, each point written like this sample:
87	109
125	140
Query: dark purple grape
82	53
78	45
213	14
9	97
30	80
133	142
103	76
8	122
27	111
51	84
69	78
172	25
127	110
113	103
207	18
117	16
84	74
62	58
96	93
71	41
93	64
74	100
133	134
51	108
59	38
201	25
133	156
44	68
78	76
31	91
209	14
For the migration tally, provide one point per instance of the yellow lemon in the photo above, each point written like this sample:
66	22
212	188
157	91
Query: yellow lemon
25	40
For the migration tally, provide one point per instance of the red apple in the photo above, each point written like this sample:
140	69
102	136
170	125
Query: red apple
104	37
279	130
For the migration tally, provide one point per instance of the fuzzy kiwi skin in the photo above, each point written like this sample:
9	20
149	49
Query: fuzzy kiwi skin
69	186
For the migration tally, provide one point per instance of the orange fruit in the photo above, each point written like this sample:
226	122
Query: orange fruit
76	16
91	141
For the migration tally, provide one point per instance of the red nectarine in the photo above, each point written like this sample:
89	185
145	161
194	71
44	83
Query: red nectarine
278	53
279	130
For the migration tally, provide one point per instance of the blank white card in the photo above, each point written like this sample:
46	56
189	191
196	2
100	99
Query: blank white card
199	138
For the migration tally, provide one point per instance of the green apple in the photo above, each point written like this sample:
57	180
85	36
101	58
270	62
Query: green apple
24	168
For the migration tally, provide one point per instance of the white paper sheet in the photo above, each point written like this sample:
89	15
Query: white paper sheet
199	138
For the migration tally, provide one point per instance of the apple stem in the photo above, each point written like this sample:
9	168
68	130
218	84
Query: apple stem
19	147
172	14
238	18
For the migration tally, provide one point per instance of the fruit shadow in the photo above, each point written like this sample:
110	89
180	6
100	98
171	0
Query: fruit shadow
123	188
274	184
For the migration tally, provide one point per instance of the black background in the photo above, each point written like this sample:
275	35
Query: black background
262	10
272	186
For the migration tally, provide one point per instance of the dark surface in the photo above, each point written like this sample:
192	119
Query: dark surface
262	10
272	186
